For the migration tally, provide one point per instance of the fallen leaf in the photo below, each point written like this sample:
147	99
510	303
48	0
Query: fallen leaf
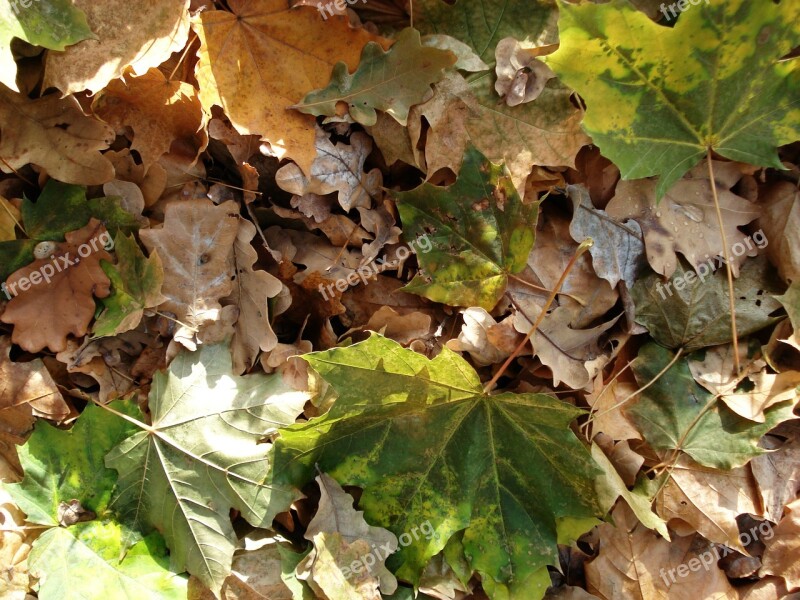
341	537
780	557
55	134
54	297
390	81
487	341
779	221
521	77
127	35
685	220
164	115
777	475
194	245
296	48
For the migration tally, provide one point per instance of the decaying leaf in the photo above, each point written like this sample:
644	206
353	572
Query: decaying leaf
342	537
782	550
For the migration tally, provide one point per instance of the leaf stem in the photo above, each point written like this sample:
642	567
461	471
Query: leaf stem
728	270
583	247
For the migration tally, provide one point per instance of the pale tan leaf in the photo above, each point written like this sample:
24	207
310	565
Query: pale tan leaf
782	556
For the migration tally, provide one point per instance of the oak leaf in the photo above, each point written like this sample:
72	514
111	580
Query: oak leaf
54	296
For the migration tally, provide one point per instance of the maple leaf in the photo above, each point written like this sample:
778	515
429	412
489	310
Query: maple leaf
126	36
136	284
162	114
53	133
691	312
390	81
341	536
428	445
676	413
660	98
479	229
54	296
262	49
53	25
201	457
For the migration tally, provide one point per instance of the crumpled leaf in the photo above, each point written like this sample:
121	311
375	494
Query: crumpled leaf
202	457
521	77
341	536
671	414
336	168
295	47
479	229
780	221
405	442
618	251
82	562
135	285
659	98
162	114
698	314
60	303
54	24
487	341
777	474
128	35
194	245
685	220
390	81
53	133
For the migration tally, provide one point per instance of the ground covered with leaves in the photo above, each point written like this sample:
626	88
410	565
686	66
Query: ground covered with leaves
363	299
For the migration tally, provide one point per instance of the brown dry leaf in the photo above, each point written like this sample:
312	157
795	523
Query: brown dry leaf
777	474
521	77
262	50
487	341
27	390
573	355
285	359
446	113
107	361
165	116
608	417
45	312
336	168
380	222
9	218
685	220
709	500
402	328
129	34
780	222
392	139
53	133
150	181
782	556
634	563
195	244
251	291
341	536
339	229
15	545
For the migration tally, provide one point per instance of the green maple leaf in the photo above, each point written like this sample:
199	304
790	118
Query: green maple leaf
63	465
483	23
201	457
390	81
674	413
136	283
698	315
428	445
53	24
479	229
659	99
82	562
